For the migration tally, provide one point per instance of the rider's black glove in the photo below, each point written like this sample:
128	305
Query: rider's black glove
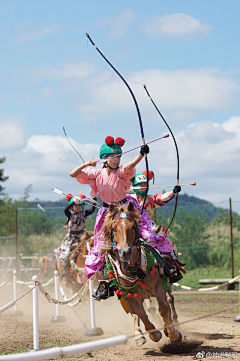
177	189
144	149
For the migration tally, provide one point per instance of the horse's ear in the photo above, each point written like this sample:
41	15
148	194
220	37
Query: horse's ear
130	207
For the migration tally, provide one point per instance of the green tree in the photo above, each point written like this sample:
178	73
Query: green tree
2	178
188	233
32	221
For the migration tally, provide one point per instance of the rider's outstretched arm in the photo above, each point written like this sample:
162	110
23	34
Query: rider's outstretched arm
77	170
144	150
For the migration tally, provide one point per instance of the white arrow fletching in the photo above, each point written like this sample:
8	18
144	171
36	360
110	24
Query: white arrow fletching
57	191
42	209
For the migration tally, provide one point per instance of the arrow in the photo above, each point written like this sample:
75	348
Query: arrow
42	209
82	199
104	160
171	185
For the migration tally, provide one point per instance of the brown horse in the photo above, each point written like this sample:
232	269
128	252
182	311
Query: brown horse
121	227
76	276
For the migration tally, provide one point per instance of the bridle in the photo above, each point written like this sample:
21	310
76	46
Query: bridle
124	215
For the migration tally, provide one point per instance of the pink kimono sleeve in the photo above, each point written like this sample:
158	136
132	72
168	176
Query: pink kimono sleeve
126	175
88	176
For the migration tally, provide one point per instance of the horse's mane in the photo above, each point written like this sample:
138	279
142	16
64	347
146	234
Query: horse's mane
107	225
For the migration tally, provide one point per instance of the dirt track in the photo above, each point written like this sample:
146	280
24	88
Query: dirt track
218	335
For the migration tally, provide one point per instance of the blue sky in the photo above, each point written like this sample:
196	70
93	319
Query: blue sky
187	52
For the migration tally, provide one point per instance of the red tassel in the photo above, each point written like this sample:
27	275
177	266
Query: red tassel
120	142
109	140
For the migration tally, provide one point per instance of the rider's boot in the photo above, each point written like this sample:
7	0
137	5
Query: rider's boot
176	278
169	272
103	291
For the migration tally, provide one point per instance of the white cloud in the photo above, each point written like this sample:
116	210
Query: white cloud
62	72
118	25
12	134
175	25
181	92
209	155
186	92
45	162
39	33
54	153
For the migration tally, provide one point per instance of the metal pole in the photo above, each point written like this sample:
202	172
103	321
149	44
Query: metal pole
92	311
155	215
93	330
35	316
231	235
57	318
15	289
15	312
16	239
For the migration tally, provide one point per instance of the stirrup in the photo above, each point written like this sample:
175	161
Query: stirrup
103	291
169	272
176	278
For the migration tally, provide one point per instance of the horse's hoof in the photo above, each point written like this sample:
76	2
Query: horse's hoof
157	337
178	340
140	340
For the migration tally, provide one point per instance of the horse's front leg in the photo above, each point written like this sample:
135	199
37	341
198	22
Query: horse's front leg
174	335
170	300
139	338
138	310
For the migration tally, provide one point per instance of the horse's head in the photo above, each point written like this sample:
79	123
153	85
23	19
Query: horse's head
122	228
85	245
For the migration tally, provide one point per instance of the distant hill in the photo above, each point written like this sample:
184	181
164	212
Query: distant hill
194	204
189	203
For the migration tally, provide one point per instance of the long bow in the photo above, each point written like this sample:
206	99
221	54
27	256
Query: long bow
138	112
176	151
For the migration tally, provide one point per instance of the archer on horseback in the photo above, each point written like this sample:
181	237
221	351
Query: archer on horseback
76	218
139	182
112	183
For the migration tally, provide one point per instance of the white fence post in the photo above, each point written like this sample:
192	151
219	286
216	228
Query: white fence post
57	318
93	330
237	318
35	316
15	312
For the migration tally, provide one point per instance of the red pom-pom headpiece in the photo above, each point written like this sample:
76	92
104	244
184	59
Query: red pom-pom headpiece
150	174
109	140
82	196
69	196
120	142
